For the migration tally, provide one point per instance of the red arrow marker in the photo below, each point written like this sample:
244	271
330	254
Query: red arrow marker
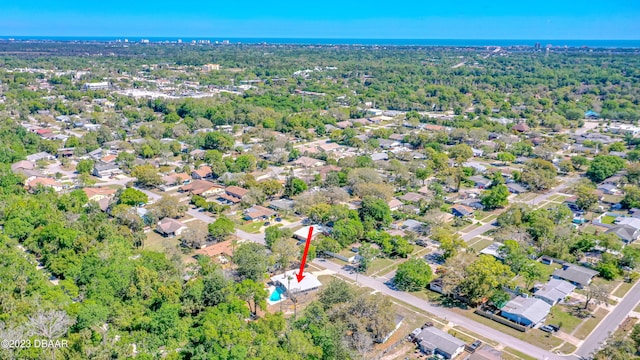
299	275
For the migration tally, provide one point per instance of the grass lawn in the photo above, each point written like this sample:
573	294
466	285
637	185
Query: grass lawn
607	219
525	197
567	348
481	244
562	317
587	326
557	198
158	243
251	227
623	289
513	354
469	228
547	270
379	264
588	229
489	219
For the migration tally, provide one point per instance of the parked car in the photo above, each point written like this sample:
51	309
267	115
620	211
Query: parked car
547	328
278	219
554	327
267	223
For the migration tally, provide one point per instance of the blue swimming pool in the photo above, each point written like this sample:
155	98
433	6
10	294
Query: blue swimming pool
276	295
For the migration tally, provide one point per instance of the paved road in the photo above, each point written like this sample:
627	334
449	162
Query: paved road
441	312
610	323
535	201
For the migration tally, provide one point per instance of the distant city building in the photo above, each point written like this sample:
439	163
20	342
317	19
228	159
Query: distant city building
96	86
210	67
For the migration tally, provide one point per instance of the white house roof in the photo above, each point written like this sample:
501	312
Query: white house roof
535	310
303	232
309	282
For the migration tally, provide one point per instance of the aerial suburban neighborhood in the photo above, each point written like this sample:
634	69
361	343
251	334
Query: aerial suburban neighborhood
241	200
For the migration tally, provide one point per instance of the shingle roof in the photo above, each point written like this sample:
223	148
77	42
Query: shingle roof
169	226
440	339
574	273
555	290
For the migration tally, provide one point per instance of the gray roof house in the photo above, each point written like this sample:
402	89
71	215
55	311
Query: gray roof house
516	188
432	340
480	181
609	189
627	228
526	311
579	276
626	233
101	169
281	204
414	226
554	291
379	156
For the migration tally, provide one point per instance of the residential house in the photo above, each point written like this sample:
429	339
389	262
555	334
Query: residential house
232	195
202	188
627	228
65	152
414	226
307	162
609	189
480	181
289	282
432	340
460	210
258	212
424	190
526	311
282	205
627	233
176	179
303	232
379	156
516	188
170	227
412	197
388	144
103	170
590	114
22	165
394	204
40	156
109	158
44	182
478	167
344	124
203	172
579	276
521	127
323	171
397	137
554	291
221	252
493	249
330	147
99	193
477	152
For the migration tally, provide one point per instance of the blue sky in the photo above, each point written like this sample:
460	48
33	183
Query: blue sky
459	19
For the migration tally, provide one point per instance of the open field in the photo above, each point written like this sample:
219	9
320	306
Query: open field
587	326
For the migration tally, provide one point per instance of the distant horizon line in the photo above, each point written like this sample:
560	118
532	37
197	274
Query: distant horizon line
573	43
305	37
